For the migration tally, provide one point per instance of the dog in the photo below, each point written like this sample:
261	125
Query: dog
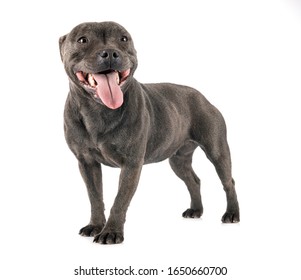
112	119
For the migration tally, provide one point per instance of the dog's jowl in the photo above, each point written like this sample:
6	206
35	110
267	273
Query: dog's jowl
112	119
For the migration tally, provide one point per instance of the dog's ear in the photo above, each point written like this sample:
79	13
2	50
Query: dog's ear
61	44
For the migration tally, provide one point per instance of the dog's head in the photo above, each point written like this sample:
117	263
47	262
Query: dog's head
101	59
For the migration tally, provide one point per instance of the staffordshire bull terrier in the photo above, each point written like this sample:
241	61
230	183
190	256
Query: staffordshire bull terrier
112	119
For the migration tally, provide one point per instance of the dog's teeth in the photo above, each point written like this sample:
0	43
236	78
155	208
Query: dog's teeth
117	78
91	80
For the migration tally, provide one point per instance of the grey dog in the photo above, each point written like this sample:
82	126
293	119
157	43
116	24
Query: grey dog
112	119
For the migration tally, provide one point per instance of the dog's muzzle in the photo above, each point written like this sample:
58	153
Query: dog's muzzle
105	86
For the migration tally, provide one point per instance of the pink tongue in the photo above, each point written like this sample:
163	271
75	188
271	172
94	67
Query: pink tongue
108	90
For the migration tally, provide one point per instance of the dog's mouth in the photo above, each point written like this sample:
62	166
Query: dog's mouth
105	86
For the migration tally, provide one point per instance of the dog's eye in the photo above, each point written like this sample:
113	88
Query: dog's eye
124	39
82	40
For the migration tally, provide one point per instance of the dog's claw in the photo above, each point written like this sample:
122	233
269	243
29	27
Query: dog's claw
192	213
91	230
109	238
231	217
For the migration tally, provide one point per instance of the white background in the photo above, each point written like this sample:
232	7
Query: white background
244	56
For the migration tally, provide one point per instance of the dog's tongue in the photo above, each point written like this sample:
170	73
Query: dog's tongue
108	89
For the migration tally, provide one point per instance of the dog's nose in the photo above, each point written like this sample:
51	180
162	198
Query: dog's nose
104	54
109	54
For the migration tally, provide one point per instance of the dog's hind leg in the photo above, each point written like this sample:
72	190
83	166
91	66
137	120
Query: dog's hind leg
212	137
220	158
180	163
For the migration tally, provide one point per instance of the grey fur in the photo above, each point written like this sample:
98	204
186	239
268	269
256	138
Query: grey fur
154	122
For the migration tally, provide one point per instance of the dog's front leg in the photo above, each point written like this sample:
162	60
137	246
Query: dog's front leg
113	230
91	173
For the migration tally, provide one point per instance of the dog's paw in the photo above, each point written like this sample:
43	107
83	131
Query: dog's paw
231	217
192	213
109	237
91	230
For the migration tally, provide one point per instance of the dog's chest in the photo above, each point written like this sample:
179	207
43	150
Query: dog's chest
102	147
106	155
